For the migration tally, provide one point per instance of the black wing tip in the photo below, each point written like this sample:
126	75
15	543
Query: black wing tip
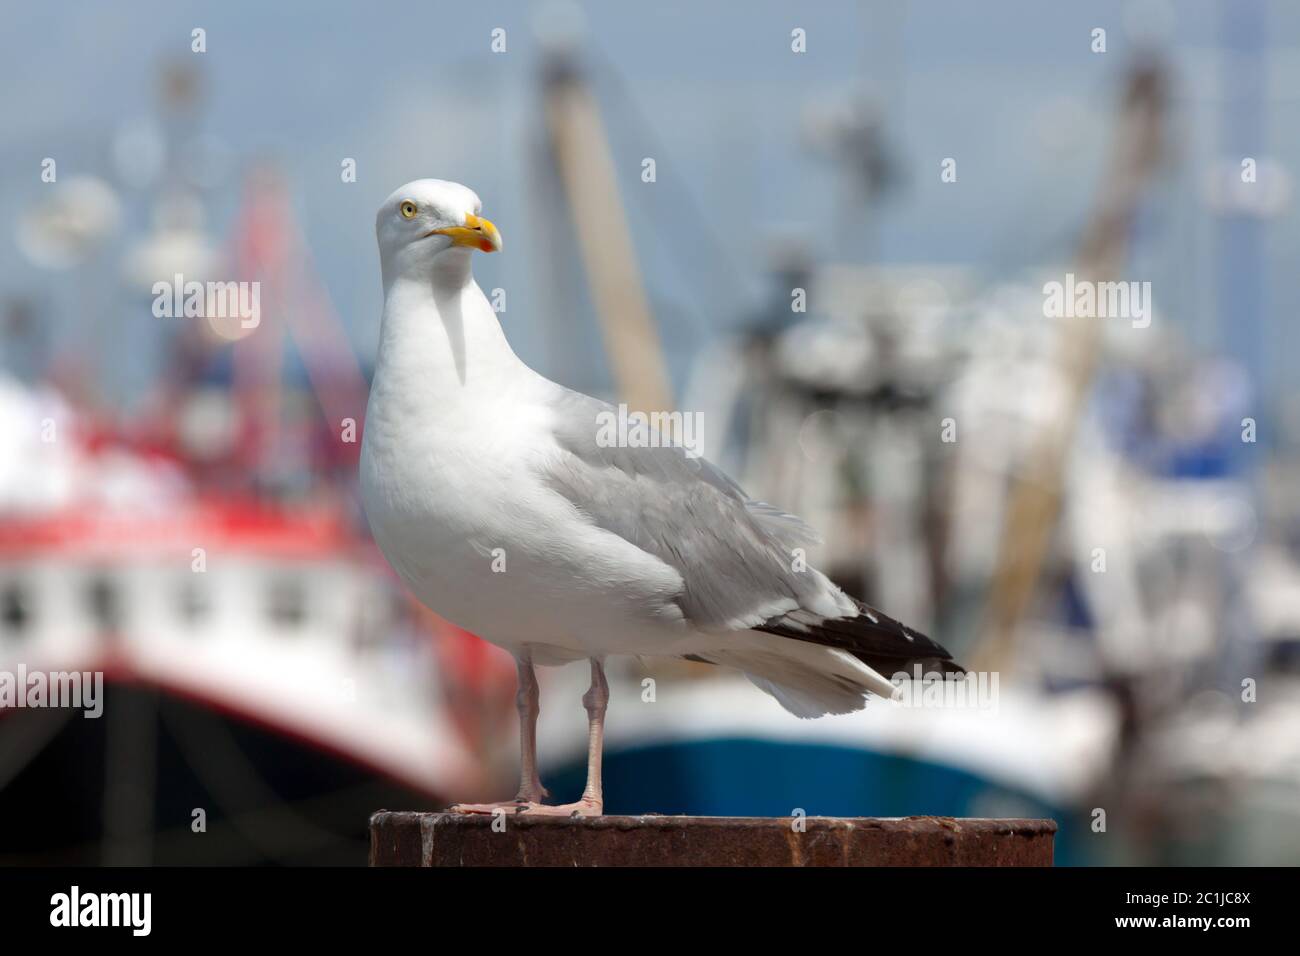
875	638
926	646
946	665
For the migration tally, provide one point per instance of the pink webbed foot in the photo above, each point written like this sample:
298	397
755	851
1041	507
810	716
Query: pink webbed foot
524	801
510	806
583	808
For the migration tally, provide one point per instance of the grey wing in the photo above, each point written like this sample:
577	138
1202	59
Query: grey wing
736	556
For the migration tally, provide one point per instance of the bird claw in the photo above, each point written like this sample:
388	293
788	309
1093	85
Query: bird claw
470	809
583	808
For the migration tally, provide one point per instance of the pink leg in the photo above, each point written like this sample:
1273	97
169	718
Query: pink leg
527	700
531	791
592	802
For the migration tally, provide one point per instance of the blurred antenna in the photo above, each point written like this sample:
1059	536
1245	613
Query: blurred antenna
1035	498
582	154
269	246
1241	236
709	253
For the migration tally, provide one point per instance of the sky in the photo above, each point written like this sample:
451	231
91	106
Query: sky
712	91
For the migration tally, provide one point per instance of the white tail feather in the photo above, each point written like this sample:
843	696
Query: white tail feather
808	680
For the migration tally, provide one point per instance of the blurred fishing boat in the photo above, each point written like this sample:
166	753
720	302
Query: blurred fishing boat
182	520
210	610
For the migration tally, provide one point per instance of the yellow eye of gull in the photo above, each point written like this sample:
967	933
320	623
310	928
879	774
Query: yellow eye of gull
408	210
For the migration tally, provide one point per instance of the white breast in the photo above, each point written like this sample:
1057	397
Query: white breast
456	504
456	431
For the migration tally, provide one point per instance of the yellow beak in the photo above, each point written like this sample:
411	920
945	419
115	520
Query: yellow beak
477	233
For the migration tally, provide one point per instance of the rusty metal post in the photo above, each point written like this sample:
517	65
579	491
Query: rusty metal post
445	839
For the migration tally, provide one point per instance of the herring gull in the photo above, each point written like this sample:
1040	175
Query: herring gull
488	489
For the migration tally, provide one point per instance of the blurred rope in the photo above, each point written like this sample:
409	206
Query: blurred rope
687	255
249	803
